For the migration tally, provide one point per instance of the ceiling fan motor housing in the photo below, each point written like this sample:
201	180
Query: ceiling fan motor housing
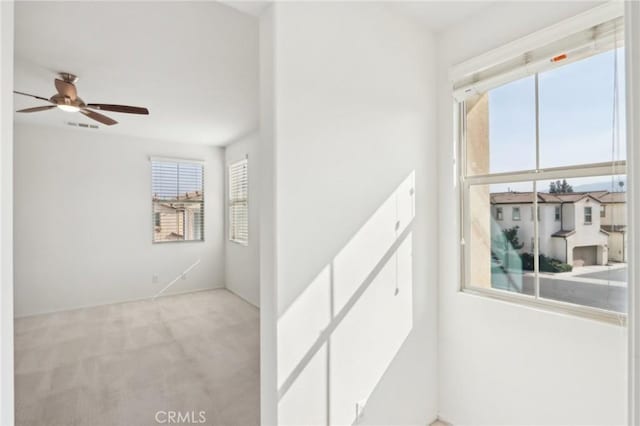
64	100
68	77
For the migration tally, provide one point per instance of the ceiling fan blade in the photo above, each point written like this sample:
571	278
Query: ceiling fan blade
66	89
119	108
99	117
36	109
33	96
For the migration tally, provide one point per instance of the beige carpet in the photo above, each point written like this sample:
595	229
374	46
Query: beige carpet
122	364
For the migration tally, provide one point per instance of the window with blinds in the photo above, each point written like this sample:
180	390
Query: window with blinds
178	200
239	202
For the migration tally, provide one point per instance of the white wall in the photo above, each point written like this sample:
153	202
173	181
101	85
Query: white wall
6	212
242	263
502	363
353	108
549	226
83	220
267	222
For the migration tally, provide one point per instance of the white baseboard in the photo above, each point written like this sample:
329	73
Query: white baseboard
175	293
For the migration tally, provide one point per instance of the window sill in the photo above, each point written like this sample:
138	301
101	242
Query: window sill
240	243
177	241
554	306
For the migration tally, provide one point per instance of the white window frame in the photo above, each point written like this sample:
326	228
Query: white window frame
589	215
600	14
231	202
632	38
499	213
153	215
516	217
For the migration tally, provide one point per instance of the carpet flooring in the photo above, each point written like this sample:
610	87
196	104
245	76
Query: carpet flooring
194	357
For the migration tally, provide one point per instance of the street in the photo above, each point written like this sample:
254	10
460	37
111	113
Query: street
602	289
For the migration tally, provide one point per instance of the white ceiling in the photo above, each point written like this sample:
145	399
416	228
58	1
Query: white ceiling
193	64
440	15
251	7
436	15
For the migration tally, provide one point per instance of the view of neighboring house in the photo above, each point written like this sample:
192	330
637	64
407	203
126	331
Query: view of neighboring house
613	219
179	219
577	228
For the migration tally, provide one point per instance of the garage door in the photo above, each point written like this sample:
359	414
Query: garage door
585	255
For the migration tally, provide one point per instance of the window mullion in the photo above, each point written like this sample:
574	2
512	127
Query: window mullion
536	223
536	242
537	101
584	170
466	236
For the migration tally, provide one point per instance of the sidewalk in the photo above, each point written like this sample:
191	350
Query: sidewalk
576	275
582	270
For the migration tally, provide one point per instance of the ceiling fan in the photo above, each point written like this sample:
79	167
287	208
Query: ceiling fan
67	100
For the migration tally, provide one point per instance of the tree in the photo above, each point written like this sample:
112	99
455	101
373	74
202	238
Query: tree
511	238
505	246
559	187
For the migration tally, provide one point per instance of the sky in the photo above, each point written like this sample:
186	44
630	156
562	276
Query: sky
171	179
576	120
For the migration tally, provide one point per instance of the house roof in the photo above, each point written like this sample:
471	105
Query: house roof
613	197
614	228
513	197
187	196
564	234
575	197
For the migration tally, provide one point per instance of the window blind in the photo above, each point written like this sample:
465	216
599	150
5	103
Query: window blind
239	202
594	40
178	200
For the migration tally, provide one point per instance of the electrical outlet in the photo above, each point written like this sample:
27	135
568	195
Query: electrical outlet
155	279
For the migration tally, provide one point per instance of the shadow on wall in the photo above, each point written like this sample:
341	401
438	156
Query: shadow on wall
337	339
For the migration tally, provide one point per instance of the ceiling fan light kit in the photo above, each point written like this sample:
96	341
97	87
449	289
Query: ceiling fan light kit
67	100
69	108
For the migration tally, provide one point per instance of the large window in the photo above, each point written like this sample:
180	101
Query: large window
239	202
548	137
178	200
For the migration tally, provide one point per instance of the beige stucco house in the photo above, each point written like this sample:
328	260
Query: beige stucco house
179	219
580	228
